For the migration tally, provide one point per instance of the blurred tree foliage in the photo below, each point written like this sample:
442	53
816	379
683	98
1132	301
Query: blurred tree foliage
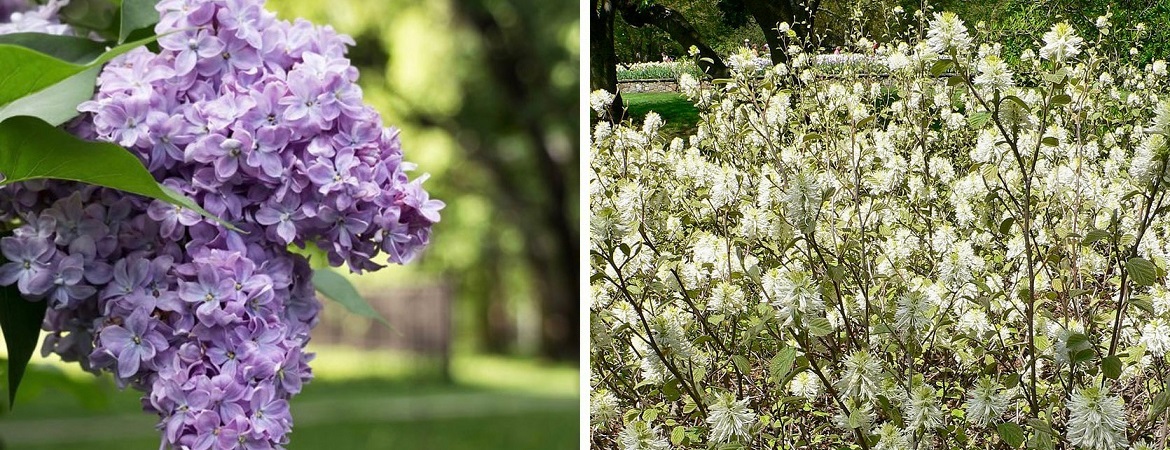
486	95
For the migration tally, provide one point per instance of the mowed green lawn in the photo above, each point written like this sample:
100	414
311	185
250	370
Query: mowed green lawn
680	114
492	403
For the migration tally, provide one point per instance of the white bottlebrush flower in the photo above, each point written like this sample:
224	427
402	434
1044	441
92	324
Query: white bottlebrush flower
1146	163
688	85
602	407
1096	420
1160	297
897	61
651	123
1162	117
743	61
792	293
1156	337
975	321
921	409
913	312
600	100
987	401
729	418
726	298
891	437
946	32
993	73
1159	68
803	202
805	384
638	435
1061	43
603	131
862	376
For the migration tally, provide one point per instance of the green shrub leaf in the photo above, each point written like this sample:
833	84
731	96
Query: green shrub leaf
1111	367
782	363
978	119
1141	271
819	326
1011	434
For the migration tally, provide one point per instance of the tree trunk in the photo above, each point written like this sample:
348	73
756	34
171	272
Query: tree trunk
799	16
673	23
602	55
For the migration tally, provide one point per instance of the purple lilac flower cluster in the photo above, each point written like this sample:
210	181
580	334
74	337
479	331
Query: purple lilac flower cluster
260	121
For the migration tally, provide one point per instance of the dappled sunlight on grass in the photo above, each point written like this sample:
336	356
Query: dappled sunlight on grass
680	114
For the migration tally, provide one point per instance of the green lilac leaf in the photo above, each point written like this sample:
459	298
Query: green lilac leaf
20	320
32	149
337	288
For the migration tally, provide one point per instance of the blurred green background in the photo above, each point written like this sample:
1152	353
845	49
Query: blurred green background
486	95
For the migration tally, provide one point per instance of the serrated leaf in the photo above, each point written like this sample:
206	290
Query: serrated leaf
1143	304
1011	434
20	321
781	364
819	326
1076	341
339	289
955	80
1061	99
941	66
1141	271
978	119
741	363
1083	355
1094	236
677	435
1006	225
1159	404
1111	367
1018	101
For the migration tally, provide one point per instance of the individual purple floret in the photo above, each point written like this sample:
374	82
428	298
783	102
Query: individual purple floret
261	122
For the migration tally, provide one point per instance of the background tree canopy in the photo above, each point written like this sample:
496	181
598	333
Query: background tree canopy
723	26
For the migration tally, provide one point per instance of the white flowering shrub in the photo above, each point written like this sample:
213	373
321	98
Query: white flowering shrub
961	253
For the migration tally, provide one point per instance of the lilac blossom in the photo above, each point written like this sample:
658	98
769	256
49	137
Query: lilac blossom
262	123
139	341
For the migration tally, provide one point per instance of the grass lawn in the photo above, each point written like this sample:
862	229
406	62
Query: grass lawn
680	114
359	400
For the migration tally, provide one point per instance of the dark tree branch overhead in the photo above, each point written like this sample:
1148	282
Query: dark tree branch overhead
640	14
